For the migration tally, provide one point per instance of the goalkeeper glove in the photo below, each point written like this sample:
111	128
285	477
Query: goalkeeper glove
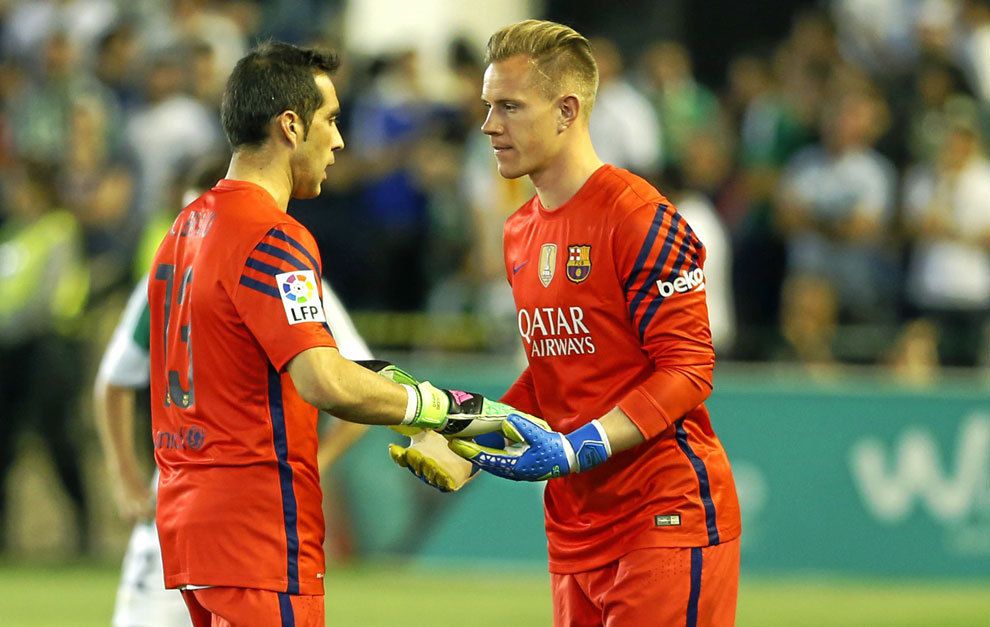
452	413
428	457
537	452
427	406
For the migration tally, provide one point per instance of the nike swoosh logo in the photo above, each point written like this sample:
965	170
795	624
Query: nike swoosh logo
516	269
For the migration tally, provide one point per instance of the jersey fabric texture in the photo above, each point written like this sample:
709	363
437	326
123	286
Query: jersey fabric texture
658	586
239	500
236	607
609	292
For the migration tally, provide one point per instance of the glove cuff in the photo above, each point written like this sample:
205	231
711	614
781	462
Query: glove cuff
590	446
412	403
426	406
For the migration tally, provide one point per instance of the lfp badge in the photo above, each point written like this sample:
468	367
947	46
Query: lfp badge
300	297
578	262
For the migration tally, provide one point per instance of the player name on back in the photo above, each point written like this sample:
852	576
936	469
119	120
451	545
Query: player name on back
555	331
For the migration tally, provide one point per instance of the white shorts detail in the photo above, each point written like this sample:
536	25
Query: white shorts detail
142	600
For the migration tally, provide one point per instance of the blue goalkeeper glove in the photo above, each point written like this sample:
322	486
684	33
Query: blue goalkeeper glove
538	452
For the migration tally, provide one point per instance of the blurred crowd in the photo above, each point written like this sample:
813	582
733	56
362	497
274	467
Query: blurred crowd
838	177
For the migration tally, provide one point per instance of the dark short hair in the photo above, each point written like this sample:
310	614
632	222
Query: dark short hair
272	78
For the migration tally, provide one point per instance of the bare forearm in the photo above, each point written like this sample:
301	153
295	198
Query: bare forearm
622	432
115	425
340	387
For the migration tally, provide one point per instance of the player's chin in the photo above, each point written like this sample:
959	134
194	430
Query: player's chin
510	171
305	192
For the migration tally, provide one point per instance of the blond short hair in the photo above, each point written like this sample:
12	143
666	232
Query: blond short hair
561	57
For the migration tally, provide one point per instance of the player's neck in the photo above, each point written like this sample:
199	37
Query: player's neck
257	167
567	173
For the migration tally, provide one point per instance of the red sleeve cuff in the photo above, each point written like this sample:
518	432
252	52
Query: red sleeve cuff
646	414
280	360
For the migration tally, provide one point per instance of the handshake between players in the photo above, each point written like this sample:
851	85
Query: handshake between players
483	434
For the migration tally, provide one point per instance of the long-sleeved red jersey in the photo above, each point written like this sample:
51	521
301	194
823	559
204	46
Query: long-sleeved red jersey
610	300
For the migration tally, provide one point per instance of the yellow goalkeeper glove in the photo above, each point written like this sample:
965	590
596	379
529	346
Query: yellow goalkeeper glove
428	457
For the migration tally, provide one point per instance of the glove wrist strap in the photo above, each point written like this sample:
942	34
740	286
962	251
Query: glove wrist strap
413	403
590	446
431	407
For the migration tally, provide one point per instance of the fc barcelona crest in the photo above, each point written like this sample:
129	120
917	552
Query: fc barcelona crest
578	262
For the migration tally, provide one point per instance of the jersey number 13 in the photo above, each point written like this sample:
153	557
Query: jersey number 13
174	392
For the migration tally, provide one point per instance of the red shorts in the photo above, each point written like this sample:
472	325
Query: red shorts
661	586
247	607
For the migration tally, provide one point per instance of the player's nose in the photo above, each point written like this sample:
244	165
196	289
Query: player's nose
490	125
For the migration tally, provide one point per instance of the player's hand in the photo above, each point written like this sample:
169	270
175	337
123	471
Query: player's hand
472	415
428	457
134	499
453	413
537	452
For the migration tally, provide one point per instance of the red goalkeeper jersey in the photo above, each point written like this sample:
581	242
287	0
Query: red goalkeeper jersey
234	294
610	300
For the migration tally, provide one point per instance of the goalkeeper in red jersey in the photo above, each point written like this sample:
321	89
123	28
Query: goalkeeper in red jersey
608	279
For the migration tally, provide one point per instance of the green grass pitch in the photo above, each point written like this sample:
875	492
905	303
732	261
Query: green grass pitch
382	595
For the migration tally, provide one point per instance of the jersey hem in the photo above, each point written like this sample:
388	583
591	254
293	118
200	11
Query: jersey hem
646	540
310	588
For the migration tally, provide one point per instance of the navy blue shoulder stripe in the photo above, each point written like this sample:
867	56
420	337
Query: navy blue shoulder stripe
263	267
284	255
658	265
295	244
675	271
255	284
644	251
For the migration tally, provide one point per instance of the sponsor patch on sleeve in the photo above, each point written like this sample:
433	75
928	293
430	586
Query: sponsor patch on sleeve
300	296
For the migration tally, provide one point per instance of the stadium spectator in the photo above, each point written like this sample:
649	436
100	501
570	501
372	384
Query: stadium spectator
170	127
947	214
878	36
682	104
41	114
835	209
98	187
770	131
623	121
914	356
30	24
937	93
116	65
44	285
975	47
390	117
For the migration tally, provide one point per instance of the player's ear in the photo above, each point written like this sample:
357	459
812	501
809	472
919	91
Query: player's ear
568	109
289	127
